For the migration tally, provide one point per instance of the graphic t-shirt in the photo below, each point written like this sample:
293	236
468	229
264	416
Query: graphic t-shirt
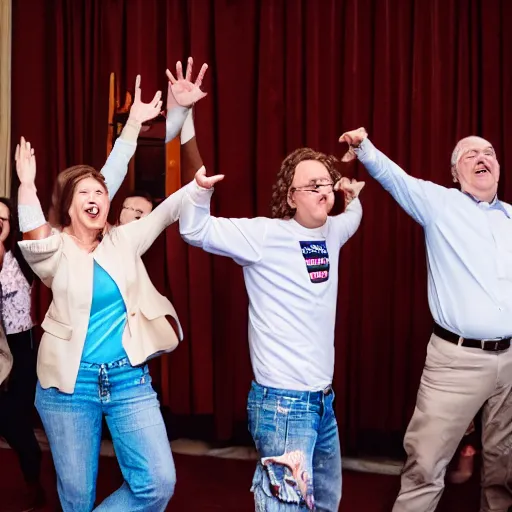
291	276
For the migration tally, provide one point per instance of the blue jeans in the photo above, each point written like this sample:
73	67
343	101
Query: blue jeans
296	435
73	425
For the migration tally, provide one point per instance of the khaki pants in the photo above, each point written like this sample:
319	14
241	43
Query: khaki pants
455	383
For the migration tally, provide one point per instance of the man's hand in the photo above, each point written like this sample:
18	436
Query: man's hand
353	138
207	181
25	162
142	112
182	91
350	188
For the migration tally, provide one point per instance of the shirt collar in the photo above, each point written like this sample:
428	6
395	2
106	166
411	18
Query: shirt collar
495	204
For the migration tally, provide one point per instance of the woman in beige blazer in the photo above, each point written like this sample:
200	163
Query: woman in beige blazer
105	321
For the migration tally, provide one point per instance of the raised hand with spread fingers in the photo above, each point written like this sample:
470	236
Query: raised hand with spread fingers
141	112
181	90
31	218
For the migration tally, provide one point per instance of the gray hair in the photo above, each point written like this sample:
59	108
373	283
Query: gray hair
456	153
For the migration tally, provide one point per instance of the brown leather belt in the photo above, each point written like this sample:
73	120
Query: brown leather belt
490	345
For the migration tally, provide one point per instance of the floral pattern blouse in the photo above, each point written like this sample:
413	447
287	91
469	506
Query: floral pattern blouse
16	297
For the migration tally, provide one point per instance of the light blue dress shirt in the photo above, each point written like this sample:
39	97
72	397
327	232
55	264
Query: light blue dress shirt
104	340
469	249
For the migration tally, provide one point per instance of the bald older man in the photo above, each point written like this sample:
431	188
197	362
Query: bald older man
468	234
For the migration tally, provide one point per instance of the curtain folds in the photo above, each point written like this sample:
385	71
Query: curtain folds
418	74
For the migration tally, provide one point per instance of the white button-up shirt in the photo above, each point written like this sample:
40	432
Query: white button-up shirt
469	249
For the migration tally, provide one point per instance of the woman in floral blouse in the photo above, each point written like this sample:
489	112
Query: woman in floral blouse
17	394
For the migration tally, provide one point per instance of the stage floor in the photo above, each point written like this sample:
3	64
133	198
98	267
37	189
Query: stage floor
212	484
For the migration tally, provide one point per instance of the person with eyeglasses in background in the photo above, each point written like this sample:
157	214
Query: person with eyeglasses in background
17	391
136	205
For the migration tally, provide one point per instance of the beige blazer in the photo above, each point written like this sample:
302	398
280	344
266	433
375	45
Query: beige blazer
68	271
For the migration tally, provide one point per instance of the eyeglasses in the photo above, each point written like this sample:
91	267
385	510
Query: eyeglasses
137	212
318	188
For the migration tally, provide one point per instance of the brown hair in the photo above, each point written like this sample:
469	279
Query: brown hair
66	184
53	214
279	203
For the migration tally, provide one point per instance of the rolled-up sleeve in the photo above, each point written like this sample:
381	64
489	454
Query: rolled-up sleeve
43	255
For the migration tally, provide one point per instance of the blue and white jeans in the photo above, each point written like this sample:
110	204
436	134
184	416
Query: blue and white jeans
73	426
296	435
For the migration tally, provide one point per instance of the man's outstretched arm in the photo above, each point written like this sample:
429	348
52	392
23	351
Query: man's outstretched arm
422	200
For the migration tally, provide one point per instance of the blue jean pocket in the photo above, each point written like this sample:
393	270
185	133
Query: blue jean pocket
285	432
52	399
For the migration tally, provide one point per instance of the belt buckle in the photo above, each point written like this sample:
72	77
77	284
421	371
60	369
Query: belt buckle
490	344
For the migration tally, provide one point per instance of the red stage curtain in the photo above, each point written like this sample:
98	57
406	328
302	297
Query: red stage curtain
418	75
